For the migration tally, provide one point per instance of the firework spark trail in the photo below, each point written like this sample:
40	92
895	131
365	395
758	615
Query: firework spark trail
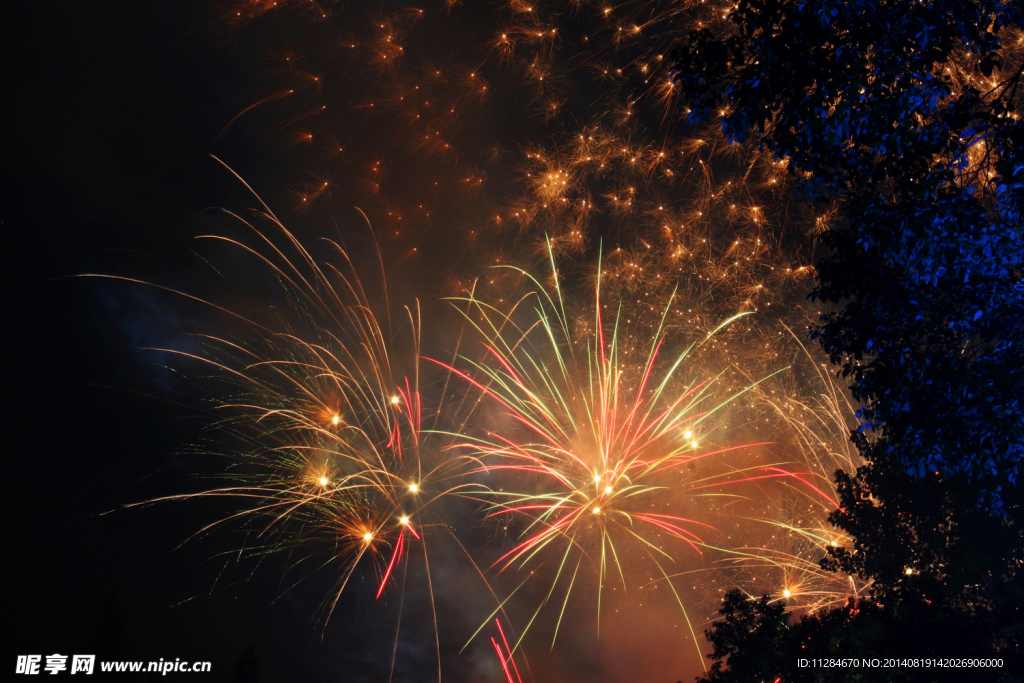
788	534
609	420
334	459
605	424
558	119
684	210
613	163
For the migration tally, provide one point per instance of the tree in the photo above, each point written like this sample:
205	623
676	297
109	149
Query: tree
761	645
750	636
906	113
860	97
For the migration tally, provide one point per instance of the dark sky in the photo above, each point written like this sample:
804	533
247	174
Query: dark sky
111	110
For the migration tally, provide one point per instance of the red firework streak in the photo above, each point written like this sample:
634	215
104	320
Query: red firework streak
506	659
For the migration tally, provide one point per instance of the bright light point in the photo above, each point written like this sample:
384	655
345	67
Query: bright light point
324	481
394	400
909	571
786	593
414	488
607	489
597	511
404	520
693	443
597	478
367	536
335	419
687	434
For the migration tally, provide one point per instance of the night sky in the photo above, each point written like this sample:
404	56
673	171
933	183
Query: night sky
113	112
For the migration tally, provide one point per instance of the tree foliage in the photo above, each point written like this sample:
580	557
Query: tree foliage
907	113
861	98
760	645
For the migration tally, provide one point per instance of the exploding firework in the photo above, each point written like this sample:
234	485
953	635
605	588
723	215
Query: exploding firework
557	128
787	531
335	458
614	455
624	453
558	120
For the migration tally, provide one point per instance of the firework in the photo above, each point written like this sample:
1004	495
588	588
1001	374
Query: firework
789	532
557	130
610	433
334	454
628	451
561	120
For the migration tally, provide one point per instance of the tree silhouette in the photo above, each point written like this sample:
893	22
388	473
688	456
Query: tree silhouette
906	115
